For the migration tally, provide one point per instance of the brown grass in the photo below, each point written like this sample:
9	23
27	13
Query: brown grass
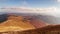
17	25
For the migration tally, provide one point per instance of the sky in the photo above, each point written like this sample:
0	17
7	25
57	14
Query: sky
49	7
30	3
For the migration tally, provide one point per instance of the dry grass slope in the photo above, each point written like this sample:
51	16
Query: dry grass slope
17	25
16	22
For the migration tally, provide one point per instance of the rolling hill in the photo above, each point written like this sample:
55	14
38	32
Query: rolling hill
16	22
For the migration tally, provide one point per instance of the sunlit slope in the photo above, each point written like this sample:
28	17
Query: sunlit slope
16	23
21	23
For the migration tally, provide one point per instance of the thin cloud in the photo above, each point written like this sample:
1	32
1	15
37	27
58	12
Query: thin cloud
46	11
58	0
25	4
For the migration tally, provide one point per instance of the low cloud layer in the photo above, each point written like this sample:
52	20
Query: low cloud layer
46	11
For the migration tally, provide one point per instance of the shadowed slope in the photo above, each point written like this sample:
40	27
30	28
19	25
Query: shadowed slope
3	17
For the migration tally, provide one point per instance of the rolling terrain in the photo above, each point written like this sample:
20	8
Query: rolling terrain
26	24
20	23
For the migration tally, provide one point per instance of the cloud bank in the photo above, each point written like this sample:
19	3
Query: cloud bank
46	11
